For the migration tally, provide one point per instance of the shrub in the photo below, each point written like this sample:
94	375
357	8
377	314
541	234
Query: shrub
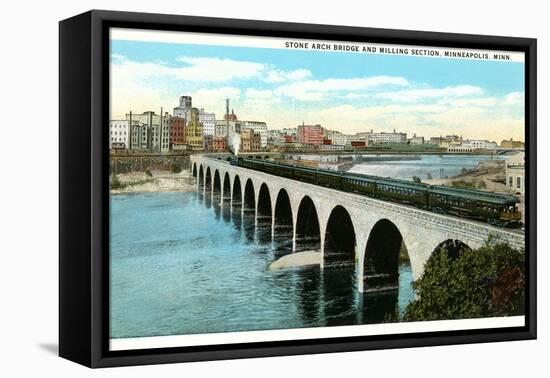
485	282
148	173
417	179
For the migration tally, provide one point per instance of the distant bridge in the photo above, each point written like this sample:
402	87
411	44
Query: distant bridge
347	228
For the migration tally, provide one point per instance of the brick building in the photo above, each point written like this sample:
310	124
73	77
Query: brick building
219	144
310	134
177	131
250	141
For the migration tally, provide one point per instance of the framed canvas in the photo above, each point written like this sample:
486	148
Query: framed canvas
236	188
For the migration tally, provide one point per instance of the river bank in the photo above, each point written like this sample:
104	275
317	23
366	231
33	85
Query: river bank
152	181
297	259
487	176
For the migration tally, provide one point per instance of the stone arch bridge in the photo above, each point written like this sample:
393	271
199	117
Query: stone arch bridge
347	228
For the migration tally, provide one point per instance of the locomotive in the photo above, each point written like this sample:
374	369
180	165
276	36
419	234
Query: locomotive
496	209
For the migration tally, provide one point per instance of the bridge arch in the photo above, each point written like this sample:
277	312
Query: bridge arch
194	169
308	231
283	221
226	187
384	250
237	196
208	181
225	200
340	243
201	178
208	187
264	211
249	197
217	188
249	209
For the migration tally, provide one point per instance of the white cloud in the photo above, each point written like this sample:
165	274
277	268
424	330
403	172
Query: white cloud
194	69
474	102
277	76
491	118
413	95
213	100
315	90
215	69
205	69
515	98
263	94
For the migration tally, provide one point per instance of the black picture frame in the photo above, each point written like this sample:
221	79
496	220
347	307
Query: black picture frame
84	199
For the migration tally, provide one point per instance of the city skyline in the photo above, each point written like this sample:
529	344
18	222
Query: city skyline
426	96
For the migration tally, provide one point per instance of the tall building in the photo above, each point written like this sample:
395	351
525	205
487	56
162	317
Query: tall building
184	107
222	128
229	116
208	142
119	134
310	134
250	141
139	136
177	132
193	131
153	132
208	121
258	128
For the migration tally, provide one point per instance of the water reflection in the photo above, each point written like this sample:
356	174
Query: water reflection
248	221
237	217
177	269
328	296
308	286
226	209
339	299
282	241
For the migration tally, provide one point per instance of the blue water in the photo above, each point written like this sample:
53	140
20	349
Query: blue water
180	266
438	166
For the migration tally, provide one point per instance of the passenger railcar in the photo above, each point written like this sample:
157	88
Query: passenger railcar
496	209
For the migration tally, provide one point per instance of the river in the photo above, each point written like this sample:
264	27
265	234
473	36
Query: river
423	166
179	266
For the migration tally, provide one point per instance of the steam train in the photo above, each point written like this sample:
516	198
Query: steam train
496	209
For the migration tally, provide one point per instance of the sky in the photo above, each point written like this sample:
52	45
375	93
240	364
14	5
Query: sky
347	92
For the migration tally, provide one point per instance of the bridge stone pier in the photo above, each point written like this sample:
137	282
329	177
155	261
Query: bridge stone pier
347	228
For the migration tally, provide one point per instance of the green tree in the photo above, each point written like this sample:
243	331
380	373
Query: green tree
488	281
417	179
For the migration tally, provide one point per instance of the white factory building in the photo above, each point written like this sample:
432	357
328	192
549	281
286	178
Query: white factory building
119	134
208	121
515	173
258	127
